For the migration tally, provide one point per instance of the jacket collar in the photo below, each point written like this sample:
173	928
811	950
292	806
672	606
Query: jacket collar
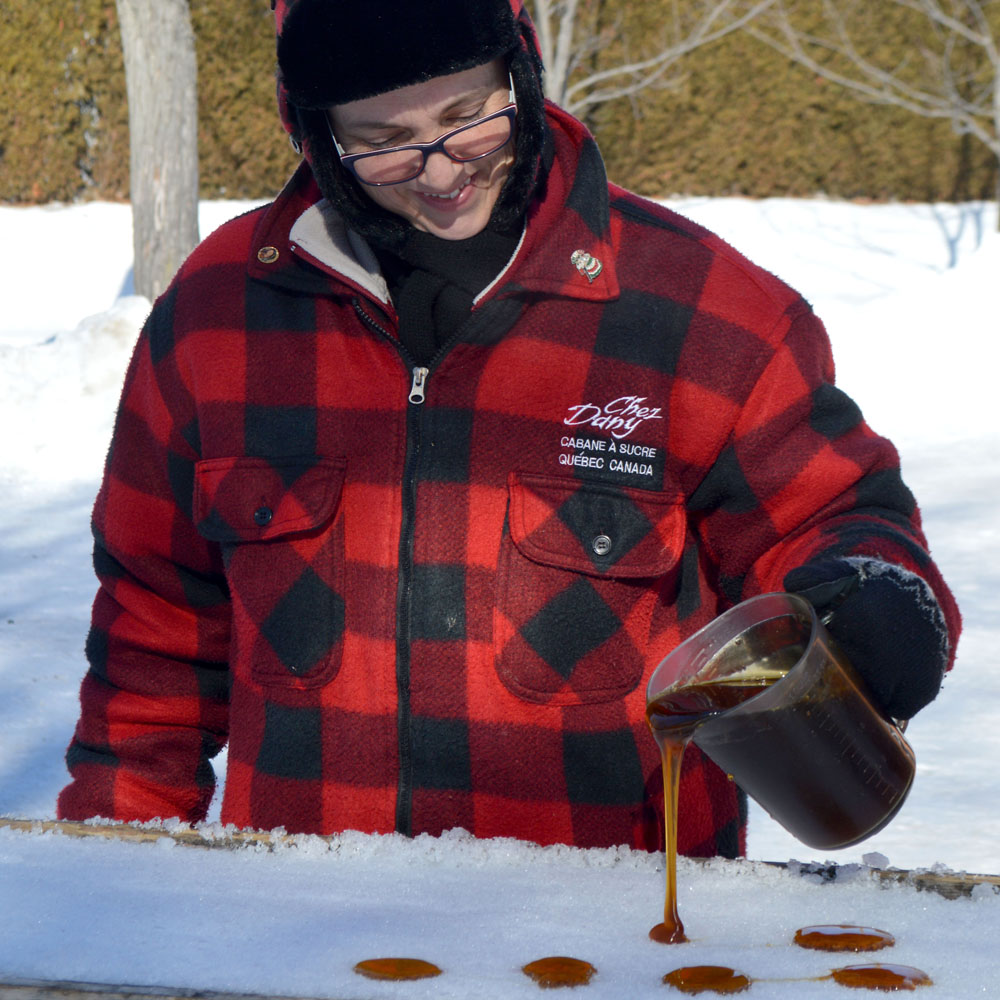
566	249
300	226
321	236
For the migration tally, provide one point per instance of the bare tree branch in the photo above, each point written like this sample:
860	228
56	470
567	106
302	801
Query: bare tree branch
569	35
957	75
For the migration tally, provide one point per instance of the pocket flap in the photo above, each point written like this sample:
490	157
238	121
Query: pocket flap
256	499
595	528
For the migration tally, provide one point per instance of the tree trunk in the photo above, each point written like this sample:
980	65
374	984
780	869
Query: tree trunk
161	81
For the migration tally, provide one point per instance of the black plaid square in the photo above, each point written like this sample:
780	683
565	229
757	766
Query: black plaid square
439	602
588	514
280	430
291	745
305	624
574	623
446	455
161	326
440	750
643	329
268	308
725	488
833	414
602	768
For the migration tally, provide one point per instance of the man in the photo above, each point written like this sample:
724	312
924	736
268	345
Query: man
420	470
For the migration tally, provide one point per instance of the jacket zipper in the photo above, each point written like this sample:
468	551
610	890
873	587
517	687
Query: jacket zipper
417	386
404	588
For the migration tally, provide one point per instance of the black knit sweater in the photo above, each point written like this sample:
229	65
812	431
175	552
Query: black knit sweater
433	283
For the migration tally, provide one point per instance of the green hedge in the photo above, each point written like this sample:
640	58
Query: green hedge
742	120
244	151
745	120
63	118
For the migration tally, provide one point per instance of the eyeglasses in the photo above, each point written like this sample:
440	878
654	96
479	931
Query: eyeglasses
398	164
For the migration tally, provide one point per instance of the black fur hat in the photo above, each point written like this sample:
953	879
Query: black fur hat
332	53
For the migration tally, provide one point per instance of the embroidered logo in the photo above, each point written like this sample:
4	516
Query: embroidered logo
621	416
589	267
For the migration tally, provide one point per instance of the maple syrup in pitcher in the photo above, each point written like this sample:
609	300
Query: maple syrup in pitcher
673	717
760	690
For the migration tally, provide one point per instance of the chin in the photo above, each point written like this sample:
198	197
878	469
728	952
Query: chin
466	218
460	230
467	222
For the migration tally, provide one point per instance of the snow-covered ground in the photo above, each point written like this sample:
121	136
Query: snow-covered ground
295	922
908	293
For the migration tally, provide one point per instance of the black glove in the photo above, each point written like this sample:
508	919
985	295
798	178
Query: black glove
887	622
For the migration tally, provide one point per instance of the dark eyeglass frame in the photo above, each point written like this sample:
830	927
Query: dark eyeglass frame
350	160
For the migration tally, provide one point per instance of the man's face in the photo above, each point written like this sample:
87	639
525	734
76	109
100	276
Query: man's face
450	200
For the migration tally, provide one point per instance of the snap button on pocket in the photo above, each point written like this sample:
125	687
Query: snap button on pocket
601	545
262	516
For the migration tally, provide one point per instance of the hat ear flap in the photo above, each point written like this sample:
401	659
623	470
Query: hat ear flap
529	36
289	117
531	151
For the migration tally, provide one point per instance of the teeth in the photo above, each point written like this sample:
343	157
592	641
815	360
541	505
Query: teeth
449	197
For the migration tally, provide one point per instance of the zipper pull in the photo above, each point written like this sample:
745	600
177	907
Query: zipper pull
417	386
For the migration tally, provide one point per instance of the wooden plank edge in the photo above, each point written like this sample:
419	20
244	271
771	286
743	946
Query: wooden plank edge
150	833
949	884
66	989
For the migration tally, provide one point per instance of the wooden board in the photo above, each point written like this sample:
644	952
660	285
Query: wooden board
59	989
188	836
948	884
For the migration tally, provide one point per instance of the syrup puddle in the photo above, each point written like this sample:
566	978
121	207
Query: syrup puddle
881	977
707	979
562	971
396	969
559	971
843	937
817	937
722	980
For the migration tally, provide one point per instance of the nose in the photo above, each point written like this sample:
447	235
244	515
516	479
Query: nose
440	172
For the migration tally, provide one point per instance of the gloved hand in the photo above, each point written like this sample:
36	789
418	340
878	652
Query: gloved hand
887	622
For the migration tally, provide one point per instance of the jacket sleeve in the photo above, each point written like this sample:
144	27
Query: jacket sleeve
154	702
802	477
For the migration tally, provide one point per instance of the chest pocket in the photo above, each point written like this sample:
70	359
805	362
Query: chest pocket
281	530
582	566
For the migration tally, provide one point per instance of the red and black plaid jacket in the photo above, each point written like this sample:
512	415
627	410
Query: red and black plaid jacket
419	599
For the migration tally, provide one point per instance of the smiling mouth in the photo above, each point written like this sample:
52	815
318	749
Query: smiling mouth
448	197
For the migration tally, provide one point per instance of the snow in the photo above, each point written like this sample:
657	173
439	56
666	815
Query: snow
908	295
295	922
